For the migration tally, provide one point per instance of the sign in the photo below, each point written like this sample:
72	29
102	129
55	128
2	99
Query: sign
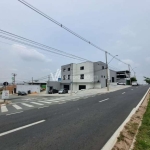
5	83
59	79
5	94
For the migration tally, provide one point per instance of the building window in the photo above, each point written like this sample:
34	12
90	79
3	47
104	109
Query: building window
82	76
102	67
68	69
113	79
64	77
82	68
68	77
64	70
102	76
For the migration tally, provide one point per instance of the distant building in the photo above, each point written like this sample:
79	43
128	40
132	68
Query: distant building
85	75
123	77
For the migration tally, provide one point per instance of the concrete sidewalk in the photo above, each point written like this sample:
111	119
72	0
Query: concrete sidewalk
89	91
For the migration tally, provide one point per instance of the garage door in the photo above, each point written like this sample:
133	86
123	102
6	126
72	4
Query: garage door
82	87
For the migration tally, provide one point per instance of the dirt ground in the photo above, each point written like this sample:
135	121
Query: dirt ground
126	137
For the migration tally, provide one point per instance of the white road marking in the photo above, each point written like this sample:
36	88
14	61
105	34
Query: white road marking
53	101
27	105
45	102
131	89
123	92
43	107
36	103
14	113
16	106
104	100
20	128
3	108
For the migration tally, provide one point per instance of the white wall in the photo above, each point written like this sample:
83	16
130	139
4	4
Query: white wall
26	88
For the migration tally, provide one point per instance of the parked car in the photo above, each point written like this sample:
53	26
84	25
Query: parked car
21	93
120	83
134	83
63	91
53	91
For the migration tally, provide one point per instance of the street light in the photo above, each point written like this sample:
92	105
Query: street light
113	58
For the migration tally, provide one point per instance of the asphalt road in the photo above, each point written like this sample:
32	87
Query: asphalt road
86	124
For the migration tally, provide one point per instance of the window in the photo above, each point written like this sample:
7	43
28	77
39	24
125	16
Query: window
82	68
68	77
102	67
113	79
64	70
82	76
68	69
102	76
64	77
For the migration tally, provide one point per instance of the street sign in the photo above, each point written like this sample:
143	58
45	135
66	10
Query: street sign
5	83
5	94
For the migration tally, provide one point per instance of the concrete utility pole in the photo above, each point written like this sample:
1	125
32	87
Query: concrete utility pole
129	74
107	72
14	75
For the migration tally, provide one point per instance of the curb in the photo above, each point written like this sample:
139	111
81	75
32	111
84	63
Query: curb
113	139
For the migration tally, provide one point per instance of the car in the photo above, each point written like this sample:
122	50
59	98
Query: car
52	91
21	93
63	91
134	83
120	83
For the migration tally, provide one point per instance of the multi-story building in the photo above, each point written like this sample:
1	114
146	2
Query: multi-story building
123	77
85	75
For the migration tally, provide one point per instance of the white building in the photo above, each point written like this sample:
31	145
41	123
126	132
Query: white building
86	75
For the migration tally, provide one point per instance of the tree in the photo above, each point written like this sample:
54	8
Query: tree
147	80
133	79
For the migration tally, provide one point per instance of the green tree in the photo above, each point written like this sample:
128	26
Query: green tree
147	80
133	79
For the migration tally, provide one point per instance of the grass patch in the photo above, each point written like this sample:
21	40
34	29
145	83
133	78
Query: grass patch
143	137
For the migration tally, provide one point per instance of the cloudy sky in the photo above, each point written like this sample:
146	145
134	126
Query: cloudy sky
118	26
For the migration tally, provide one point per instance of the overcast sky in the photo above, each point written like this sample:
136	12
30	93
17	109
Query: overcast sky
118	26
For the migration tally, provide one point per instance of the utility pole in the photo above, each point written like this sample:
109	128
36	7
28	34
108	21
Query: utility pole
32	80
129	74
107	71
14	75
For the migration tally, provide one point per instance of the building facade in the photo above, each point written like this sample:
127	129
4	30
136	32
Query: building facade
86	75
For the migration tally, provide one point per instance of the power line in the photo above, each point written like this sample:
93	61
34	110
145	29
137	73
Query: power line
39	44
64	27
11	39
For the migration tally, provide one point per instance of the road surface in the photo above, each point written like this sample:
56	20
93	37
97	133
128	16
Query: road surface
82	124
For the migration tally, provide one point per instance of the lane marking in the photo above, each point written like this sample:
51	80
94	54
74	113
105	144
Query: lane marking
27	105
36	103
53	101
43	107
3	108
20	128
104	100
131	89
45	102
123	92
16	106
14	113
